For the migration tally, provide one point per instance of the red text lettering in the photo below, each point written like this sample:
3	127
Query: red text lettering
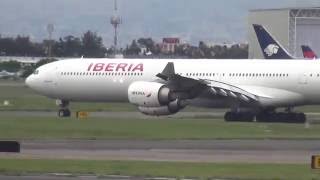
98	67
113	67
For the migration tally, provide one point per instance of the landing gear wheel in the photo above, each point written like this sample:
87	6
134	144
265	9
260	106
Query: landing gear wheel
274	117
229	116
238	117
64	113
301	117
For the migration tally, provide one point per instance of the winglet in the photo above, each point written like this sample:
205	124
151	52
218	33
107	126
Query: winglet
271	48
168	72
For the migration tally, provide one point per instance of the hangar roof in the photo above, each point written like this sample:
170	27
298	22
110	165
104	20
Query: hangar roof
285	9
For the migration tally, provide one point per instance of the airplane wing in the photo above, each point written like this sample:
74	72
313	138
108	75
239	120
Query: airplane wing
196	86
232	91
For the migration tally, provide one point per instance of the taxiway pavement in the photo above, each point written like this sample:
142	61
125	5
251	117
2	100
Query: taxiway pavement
243	151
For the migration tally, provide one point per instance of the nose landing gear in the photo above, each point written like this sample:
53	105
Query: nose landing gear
64	113
64	110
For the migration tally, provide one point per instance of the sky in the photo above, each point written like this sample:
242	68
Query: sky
214	21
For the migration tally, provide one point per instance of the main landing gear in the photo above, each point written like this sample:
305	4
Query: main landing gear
239	116
285	117
64	110
266	116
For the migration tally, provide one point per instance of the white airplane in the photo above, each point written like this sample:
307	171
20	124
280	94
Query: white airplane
6	74
250	88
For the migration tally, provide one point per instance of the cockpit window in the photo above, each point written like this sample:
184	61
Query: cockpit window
36	72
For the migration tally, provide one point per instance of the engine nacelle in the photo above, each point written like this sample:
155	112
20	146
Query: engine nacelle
172	108
149	94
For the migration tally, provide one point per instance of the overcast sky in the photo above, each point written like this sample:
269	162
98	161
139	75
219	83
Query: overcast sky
192	20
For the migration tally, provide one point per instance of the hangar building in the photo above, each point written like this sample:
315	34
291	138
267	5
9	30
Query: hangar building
292	27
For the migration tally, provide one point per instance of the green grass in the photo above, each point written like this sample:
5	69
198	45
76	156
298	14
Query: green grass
167	169
154	128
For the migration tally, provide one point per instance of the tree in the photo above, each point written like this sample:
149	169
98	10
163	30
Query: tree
72	46
133	49
10	66
20	46
221	52
148	43
23	46
236	52
7	46
27	71
92	45
204	50
68	46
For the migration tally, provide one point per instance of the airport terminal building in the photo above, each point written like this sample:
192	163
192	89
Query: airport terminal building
292	27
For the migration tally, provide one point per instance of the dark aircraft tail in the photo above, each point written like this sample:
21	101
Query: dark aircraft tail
271	48
308	53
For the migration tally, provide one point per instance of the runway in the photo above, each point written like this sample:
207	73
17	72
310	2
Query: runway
215	151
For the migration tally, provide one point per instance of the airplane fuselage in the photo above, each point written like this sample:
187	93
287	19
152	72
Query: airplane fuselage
280	82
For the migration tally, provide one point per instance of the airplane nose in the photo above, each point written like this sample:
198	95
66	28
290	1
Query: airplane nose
28	81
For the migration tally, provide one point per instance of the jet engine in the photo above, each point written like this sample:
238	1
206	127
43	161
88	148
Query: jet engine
149	94
154	98
172	108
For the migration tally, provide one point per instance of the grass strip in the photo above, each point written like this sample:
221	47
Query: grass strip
167	169
154	128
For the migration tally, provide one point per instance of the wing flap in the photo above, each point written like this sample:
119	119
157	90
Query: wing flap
225	89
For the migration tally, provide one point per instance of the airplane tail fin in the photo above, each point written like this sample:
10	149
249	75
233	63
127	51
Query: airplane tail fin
308	53
271	48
